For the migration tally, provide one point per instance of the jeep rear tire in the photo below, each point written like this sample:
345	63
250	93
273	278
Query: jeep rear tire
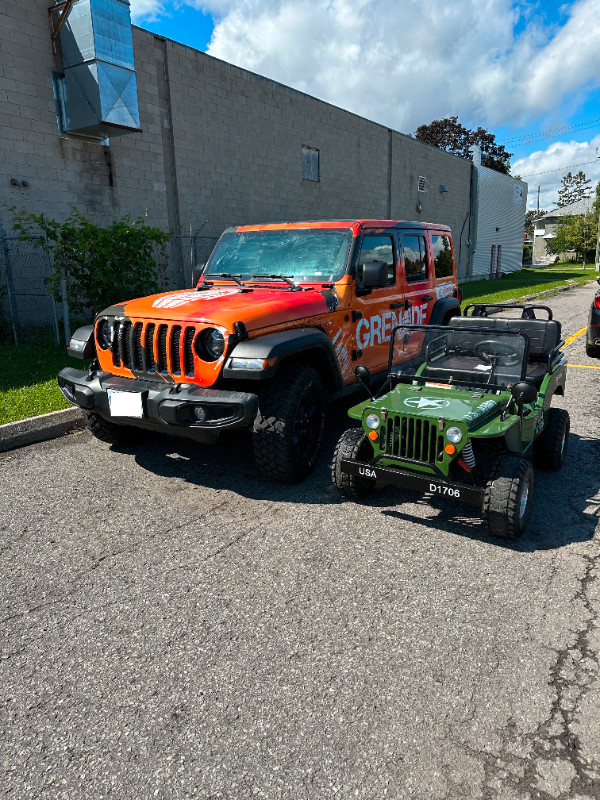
353	445
507	497
289	425
109	432
550	448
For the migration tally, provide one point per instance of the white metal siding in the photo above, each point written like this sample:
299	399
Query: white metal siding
498	209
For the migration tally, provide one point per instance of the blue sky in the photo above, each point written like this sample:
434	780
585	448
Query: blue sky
527	71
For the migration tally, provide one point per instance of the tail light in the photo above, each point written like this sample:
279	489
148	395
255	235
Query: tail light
597	301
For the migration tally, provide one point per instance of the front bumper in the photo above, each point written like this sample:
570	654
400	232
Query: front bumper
173	408
428	484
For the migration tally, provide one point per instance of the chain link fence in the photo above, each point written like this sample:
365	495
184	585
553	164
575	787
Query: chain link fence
30	314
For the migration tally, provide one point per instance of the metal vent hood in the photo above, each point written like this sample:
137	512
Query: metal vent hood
98	93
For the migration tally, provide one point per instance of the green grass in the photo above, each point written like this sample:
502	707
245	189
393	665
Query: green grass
527	281
28	380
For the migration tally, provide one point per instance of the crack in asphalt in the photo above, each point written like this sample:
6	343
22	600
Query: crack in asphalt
554	739
99	561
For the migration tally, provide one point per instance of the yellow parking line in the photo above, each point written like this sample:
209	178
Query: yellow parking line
583	366
575	335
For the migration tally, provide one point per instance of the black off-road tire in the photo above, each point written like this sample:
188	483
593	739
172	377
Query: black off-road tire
550	448
507	497
289	425
353	445
109	432
592	350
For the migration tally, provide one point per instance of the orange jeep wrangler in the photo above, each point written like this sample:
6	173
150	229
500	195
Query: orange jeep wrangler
279	319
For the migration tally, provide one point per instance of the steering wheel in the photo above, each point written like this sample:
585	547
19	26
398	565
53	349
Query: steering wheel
493	352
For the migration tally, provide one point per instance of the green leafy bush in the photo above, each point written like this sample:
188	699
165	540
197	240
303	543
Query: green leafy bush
101	265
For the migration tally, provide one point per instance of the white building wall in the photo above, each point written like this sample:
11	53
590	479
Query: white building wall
502	201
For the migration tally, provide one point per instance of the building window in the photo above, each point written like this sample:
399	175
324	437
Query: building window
422	183
310	164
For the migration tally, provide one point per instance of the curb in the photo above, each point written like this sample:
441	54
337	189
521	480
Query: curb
545	293
40	429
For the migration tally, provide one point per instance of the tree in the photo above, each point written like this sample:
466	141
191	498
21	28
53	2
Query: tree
578	233
530	218
573	188
448	134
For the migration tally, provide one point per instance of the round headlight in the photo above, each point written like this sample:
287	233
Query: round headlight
105	334
454	435
210	345
372	421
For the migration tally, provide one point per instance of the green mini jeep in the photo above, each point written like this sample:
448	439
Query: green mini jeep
466	410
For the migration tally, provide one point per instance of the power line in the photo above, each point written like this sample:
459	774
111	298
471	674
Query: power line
552	132
556	169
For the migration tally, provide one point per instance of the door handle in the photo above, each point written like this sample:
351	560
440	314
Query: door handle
406	304
427	298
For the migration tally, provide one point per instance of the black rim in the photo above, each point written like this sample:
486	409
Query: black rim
307	425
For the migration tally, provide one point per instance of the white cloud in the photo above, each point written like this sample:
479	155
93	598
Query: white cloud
145	9
545	168
406	63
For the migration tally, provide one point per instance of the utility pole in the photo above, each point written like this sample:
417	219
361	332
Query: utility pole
597	259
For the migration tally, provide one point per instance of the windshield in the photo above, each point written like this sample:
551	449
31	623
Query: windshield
309	255
480	359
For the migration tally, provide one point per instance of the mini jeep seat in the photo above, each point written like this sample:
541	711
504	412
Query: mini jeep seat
456	361
543	335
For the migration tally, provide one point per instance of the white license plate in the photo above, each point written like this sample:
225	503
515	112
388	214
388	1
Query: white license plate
125	404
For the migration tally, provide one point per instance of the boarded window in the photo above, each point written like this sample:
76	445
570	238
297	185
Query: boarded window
442	256
310	164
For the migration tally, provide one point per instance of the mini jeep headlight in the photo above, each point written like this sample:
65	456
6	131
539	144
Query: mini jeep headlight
372	421
454	435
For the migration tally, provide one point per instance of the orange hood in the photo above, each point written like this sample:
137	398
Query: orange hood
225	305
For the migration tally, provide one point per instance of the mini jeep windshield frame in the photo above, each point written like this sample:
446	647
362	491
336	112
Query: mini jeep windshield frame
310	255
483	358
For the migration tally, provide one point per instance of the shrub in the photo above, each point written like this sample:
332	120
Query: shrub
101	265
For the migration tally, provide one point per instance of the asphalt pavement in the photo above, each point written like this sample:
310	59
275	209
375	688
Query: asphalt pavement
174	627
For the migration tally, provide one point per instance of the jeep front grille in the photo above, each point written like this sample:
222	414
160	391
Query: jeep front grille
413	438
150	348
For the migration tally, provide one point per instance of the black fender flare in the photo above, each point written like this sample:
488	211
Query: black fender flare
444	308
310	345
82	344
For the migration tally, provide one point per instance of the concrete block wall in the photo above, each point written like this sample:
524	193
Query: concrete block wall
219	146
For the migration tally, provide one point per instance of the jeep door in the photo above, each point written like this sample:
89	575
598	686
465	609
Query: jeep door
375	311
418	277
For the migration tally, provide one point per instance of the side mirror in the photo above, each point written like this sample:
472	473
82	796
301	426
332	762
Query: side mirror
196	272
524	392
598	280
363	375
375	274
